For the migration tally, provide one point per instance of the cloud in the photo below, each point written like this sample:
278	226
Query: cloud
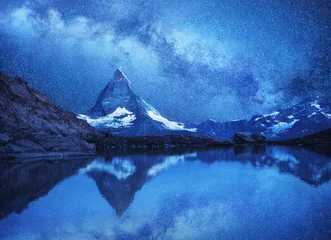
187	72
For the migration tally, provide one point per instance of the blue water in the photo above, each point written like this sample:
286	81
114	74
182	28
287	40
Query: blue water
241	193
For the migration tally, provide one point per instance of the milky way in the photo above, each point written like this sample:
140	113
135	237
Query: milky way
192	60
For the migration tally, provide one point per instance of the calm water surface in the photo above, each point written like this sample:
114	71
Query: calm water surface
235	193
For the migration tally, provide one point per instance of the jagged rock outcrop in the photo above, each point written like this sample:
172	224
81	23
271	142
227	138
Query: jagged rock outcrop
31	123
246	137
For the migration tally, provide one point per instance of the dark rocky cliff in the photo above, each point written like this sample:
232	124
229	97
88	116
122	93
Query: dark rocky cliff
31	123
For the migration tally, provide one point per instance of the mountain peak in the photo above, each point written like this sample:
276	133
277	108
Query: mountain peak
120	78
117	93
119	74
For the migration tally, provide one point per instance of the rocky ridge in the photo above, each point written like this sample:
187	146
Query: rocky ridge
31	123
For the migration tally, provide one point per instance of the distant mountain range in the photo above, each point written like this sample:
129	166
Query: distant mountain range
120	111
300	120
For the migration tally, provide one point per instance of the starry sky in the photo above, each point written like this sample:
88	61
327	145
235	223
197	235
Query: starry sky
192	59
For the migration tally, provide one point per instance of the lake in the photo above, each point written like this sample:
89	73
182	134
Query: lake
256	192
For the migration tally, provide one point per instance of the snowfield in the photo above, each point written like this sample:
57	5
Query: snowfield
169	124
282	126
120	118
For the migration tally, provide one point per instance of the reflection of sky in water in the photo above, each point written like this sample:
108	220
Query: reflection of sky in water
187	200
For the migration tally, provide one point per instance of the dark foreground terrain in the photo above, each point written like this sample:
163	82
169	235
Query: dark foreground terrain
31	123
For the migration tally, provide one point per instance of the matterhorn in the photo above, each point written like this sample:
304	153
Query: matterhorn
120	111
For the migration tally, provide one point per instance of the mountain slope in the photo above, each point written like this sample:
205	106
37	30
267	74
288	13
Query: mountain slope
31	123
120	111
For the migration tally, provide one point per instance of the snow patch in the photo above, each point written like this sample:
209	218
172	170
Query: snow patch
120	112
169	124
316	105
282	126
120	118
211	120
274	114
325	114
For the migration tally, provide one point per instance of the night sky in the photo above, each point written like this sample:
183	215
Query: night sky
191	59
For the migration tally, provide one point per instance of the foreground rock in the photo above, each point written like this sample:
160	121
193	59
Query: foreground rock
31	123
168	141
246	137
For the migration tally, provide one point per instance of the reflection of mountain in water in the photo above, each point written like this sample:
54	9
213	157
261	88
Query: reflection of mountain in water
311	166
117	183
22	183
119	178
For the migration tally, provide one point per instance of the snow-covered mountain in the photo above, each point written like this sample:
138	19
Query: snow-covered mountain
120	111
300	120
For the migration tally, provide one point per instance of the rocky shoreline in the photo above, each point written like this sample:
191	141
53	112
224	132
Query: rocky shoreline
168	141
